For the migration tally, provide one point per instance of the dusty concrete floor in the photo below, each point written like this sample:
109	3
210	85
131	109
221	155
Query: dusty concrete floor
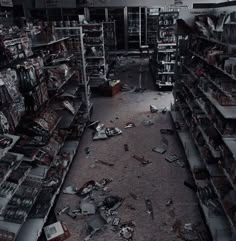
158	181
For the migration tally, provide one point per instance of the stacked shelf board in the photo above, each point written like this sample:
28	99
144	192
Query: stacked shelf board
166	59
89	51
32	229
218	224
211	126
29	188
96	68
163	60
75	46
143	26
163	64
8	188
134	25
152	26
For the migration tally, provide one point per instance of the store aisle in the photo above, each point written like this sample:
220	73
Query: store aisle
158	181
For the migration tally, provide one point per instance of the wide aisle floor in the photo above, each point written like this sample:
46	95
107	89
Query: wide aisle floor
158	181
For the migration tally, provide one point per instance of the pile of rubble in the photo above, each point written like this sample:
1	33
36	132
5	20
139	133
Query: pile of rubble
99	209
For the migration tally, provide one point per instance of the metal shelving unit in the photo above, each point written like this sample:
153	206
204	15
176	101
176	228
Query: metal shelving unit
211	129
75	46
95	57
163	59
34	181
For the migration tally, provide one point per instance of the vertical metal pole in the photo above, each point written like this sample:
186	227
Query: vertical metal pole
140	27
106	15
61	14
146	10
84	71
114	22
126	27
86	14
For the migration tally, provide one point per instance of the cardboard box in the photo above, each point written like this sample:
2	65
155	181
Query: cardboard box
56	232
110	90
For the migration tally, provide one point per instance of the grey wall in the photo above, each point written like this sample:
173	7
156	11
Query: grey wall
115	3
162	3
29	4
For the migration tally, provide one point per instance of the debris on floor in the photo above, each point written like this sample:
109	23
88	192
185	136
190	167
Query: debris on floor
96	125
70	190
100	135
164	110
105	133
97	210
177	225
139	90
160	149
127	231
87	150
177	125
125	87
124	61
171	158
149	207
56	231
126	147
91	209
104	182
148	122
93	124
153	109
203	235
169	203
95	223
113	131
87	188
134	196
87	207
63	210
116	221
106	163
73	214
190	185
167	131
188	226
92	166
130	206
129	125
180	163
188	232
163	146
112	202
142	160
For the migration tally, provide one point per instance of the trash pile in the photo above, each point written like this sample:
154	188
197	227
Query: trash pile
101	132
99	209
